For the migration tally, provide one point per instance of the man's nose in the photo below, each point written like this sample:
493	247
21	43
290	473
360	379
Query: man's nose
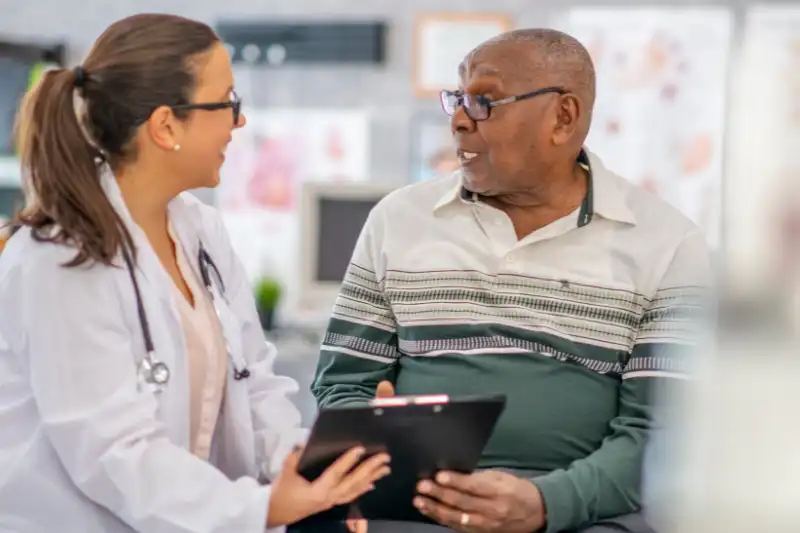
460	121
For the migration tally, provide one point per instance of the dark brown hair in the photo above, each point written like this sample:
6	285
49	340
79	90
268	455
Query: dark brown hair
137	65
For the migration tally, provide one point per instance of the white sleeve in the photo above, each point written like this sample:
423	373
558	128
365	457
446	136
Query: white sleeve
276	420
104	431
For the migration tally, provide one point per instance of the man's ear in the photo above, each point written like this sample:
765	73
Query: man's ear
568	115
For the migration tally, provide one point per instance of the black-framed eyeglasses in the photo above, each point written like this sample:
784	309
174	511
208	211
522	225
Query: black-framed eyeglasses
479	107
235	104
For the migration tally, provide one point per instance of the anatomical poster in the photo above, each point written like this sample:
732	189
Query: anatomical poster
266	164
762	194
659	119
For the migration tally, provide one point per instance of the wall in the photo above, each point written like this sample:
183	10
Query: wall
385	91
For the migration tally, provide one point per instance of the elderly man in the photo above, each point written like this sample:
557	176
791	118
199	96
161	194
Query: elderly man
532	271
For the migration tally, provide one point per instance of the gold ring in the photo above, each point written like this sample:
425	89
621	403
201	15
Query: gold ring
464	519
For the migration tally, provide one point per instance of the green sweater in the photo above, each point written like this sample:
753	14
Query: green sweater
577	408
556	412
556	419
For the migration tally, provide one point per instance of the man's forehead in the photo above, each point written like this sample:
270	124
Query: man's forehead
506	60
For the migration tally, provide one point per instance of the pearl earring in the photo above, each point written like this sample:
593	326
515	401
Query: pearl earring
177	147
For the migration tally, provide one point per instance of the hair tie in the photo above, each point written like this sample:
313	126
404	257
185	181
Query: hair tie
80	77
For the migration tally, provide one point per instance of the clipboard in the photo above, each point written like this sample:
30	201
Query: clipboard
423	435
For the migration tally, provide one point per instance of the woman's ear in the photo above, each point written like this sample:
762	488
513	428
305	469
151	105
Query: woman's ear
163	128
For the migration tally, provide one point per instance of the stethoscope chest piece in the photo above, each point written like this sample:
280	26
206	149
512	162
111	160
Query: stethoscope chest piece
154	373
160	373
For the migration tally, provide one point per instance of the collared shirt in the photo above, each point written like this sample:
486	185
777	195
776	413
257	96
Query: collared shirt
571	323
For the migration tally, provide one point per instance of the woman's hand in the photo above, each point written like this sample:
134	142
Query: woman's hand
357	526
294	498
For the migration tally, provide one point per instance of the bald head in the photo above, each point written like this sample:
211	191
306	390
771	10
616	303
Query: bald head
523	110
560	58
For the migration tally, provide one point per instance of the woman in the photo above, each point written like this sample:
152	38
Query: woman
112	262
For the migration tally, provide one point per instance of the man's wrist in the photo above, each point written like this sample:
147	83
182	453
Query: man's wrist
538	517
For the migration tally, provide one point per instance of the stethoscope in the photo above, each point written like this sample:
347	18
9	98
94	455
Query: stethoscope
155	373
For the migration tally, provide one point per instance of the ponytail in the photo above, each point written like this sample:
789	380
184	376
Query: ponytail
67	204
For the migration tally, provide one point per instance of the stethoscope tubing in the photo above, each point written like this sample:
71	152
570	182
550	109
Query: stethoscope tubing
154	371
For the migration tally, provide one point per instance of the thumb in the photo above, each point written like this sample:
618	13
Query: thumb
292	460
385	389
357	526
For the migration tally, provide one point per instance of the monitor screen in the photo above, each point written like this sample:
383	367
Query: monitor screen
21	65
11	201
340	224
15	81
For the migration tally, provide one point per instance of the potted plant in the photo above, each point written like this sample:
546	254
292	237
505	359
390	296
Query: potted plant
267	294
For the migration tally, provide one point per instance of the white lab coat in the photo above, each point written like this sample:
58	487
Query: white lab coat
81	449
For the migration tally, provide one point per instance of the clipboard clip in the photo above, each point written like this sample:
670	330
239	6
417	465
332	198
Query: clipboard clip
400	401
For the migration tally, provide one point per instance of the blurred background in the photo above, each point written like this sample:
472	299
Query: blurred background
697	102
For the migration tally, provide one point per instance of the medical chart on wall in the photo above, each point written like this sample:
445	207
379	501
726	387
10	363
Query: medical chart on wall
659	118
771	67
764	184
266	164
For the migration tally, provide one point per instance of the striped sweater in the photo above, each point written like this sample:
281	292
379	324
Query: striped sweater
575	324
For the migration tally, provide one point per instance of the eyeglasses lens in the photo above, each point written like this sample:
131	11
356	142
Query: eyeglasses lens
474	106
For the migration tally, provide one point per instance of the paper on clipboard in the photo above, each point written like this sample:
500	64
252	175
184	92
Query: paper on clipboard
397	401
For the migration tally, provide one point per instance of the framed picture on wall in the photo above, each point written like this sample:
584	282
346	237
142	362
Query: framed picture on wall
433	152
441	40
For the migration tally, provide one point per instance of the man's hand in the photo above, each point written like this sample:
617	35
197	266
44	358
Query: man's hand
357	526
484	502
385	389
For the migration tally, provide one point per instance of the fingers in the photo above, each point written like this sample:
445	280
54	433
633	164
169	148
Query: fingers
362	479
292	460
385	389
357	526
455	499
334	473
481	484
452	518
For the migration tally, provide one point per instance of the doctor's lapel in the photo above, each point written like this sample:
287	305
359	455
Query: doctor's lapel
192	239
234	445
162	317
237	443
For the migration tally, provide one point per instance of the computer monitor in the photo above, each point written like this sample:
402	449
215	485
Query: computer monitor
332	216
21	65
11	201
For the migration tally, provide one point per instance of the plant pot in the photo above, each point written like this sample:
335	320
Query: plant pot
267	318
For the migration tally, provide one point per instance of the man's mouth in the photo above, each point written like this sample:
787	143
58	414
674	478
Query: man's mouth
465	157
